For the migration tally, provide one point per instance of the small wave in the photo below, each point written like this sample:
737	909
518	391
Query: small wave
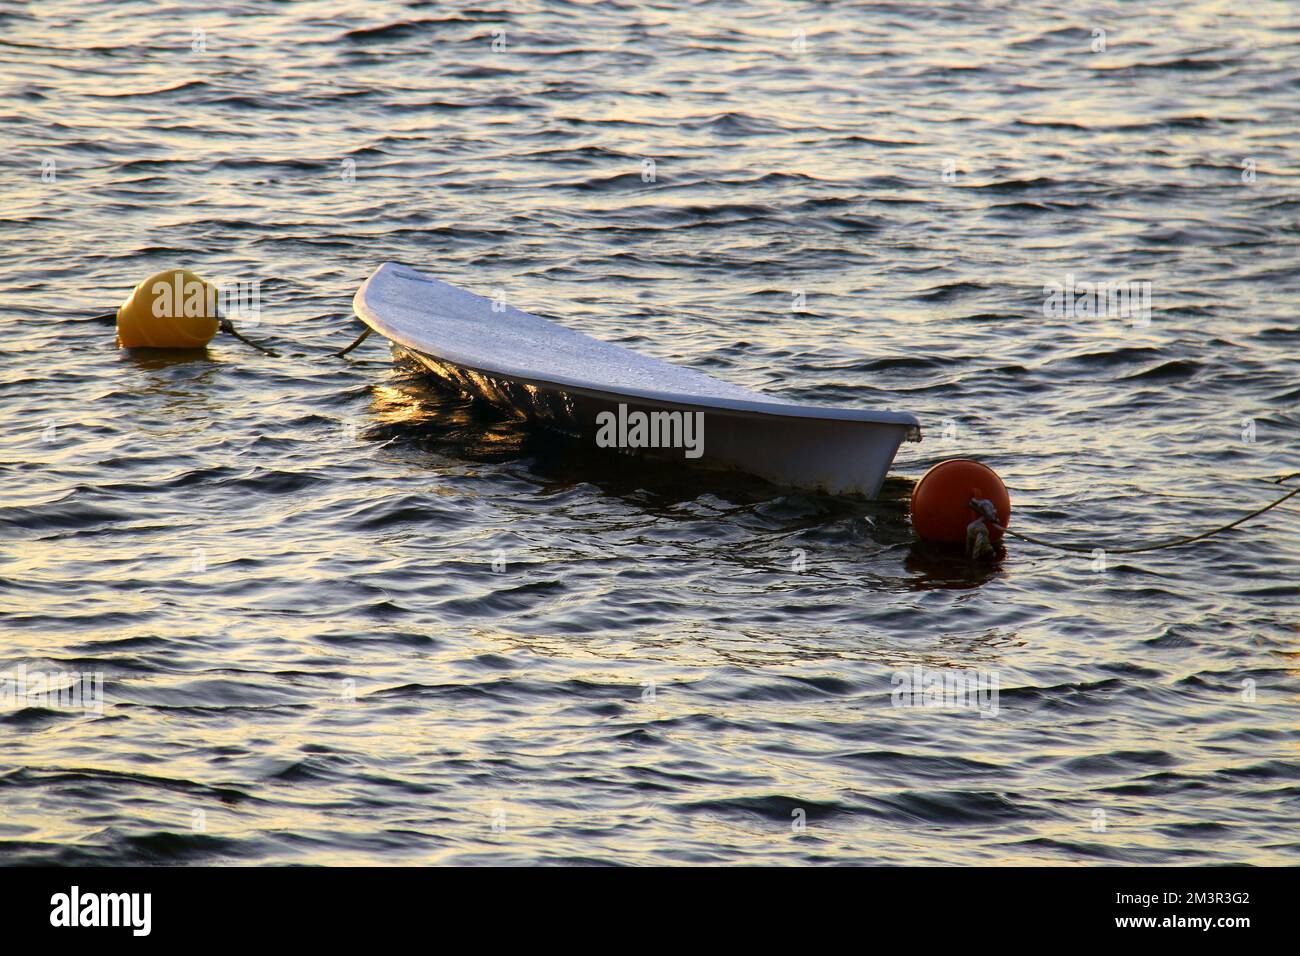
1116	356
30	718
1171	371
272	481
1178	65
943	767
950	291
776	807
65	514
1119	762
164	91
891	363
958	807
402	29
1020	185
733	124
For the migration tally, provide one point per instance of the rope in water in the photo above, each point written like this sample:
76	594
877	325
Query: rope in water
1174	543
359	339
229	328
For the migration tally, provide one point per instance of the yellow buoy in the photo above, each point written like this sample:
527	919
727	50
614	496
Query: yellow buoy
173	309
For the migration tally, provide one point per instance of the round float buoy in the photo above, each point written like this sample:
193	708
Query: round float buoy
174	309
941	501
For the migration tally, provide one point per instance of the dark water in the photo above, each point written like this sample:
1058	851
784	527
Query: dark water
283	568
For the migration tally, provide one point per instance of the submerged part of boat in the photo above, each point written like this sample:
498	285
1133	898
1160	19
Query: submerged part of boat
611	395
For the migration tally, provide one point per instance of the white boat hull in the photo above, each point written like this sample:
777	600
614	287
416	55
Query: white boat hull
548	373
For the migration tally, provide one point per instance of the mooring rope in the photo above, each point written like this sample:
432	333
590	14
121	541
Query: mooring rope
1174	543
360	338
229	328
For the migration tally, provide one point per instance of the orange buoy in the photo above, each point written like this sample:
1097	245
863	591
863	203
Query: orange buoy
941	509
174	309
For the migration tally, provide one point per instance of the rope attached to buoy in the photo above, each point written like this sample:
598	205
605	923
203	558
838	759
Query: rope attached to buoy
986	515
229	328
979	537
359	339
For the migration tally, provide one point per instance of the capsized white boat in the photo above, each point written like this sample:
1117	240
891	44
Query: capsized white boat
540	370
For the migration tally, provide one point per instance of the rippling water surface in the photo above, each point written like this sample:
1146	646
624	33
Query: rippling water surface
283	567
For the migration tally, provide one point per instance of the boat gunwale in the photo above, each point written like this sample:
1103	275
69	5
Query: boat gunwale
755	409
